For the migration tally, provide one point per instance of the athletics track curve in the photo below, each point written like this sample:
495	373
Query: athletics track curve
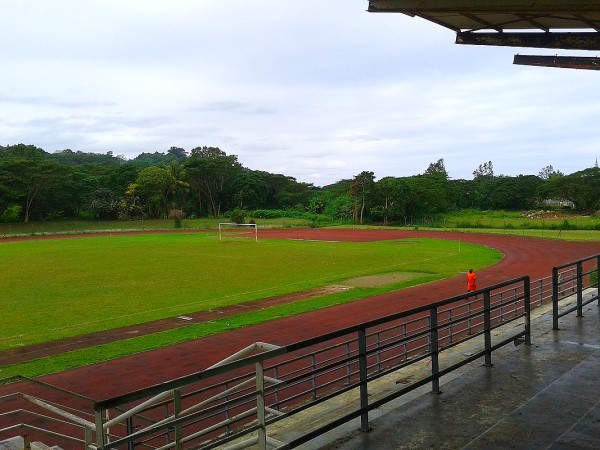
522	256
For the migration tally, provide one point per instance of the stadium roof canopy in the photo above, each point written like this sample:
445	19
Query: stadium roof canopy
513	23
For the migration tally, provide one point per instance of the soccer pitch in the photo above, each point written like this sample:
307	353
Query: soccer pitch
57	288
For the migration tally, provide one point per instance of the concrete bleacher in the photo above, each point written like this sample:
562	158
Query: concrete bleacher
540	396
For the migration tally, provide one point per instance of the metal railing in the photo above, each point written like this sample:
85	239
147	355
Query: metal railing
574	278
68	419
259	389
237	401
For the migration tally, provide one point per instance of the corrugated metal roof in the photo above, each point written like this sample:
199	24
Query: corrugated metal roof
499	15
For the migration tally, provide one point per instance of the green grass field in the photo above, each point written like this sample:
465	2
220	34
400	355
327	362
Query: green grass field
59	288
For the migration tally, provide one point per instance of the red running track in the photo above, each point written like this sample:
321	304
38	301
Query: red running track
522	256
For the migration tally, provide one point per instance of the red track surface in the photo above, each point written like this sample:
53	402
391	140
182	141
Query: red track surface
522	256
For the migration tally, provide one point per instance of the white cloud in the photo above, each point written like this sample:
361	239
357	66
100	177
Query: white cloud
316	90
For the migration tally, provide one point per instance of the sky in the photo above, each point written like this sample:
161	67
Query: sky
316	90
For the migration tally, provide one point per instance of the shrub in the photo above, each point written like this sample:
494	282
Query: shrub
11	214
238	215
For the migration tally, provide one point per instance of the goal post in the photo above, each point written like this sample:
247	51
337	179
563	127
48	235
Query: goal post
229	230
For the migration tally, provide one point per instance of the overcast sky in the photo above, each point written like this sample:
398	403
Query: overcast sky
320	90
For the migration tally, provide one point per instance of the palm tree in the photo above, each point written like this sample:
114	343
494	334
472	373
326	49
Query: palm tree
177	184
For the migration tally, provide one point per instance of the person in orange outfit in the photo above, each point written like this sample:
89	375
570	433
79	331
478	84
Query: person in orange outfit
471	281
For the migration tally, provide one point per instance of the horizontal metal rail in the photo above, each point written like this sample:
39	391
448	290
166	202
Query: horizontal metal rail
220	405
310	372
574	278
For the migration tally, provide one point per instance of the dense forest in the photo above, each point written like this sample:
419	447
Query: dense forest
206	182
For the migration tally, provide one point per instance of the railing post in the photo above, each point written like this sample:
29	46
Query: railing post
129	426
226	398
580	289
260	406
527	306
434	349
176	413
348	368
555	288
598	279
100	436
364	395
88	439
487	325
313	378
26	442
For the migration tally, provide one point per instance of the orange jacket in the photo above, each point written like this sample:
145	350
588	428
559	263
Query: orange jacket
471	281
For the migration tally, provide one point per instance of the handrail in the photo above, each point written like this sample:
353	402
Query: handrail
426	330
315	370
578	284
72	417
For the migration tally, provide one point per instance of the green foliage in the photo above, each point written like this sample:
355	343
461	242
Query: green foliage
208	182
11	214
238	215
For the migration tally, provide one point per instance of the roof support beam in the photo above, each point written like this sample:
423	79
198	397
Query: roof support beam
568	62
567	41
478	6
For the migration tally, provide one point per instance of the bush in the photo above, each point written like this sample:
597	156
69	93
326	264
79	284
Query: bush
11	214
238	216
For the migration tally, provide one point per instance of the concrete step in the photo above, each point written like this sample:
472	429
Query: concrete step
17	443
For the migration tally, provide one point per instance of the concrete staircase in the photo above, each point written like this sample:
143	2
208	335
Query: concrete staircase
17	443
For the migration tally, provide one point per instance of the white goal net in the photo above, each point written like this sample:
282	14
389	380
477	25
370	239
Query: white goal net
238	230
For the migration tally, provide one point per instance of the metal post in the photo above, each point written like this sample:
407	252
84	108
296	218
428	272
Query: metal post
176	413
598	279
129	426
88	438
580	289
276	376
226	398
377	353
362	363
260	406
313	378
434	348
555	288
487	329
348	369
100	438
527	306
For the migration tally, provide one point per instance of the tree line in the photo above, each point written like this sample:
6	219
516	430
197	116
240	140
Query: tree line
207	182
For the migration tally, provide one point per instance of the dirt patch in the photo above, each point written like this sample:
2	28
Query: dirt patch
373	281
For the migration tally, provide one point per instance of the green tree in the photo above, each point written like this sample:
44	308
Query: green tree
25	181
582	188
437	168
154	185
484	170
426	195
391	198
104	204
210	170
360	191
249	190
548	172
177	185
